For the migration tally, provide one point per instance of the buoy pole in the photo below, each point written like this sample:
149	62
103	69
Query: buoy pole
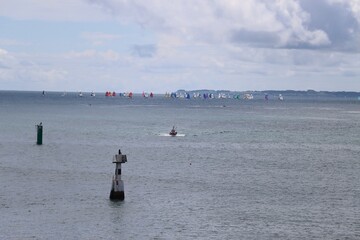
39	134
117	187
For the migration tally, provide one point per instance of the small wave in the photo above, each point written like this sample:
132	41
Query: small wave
353	112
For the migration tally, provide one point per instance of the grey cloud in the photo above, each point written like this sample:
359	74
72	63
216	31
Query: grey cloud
336	20
255	38
333	19
263	39
144	51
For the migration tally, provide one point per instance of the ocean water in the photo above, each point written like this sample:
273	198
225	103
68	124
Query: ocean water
239	169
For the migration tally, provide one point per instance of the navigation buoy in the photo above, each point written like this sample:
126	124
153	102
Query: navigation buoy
117	187
39	134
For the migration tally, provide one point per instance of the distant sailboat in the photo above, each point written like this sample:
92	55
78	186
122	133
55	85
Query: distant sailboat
145	94
248	96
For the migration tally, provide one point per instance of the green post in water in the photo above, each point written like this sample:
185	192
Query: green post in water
39	134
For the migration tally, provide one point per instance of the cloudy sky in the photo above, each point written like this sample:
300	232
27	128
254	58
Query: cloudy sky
162	45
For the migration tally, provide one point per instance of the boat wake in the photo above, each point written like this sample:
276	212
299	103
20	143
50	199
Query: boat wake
168	135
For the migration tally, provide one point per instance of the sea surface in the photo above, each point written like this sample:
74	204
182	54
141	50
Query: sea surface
239	169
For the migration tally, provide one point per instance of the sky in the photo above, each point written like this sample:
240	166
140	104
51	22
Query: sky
162	46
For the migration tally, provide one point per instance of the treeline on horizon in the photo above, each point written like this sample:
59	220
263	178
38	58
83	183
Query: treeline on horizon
283	92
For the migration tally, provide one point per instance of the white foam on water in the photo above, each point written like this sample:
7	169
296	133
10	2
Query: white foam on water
168	135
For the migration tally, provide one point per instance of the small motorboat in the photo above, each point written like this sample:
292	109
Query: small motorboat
173	132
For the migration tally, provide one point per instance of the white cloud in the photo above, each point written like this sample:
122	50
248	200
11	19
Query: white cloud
64	10
92	54
109	55
6	59
3	52
285	22
17	70
352	5
295	32
215	21
228	44
99	38
12	42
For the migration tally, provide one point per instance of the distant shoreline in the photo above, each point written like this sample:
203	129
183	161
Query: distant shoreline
283	92
350	94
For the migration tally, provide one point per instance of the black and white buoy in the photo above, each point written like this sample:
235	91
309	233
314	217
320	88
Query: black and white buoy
117	187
